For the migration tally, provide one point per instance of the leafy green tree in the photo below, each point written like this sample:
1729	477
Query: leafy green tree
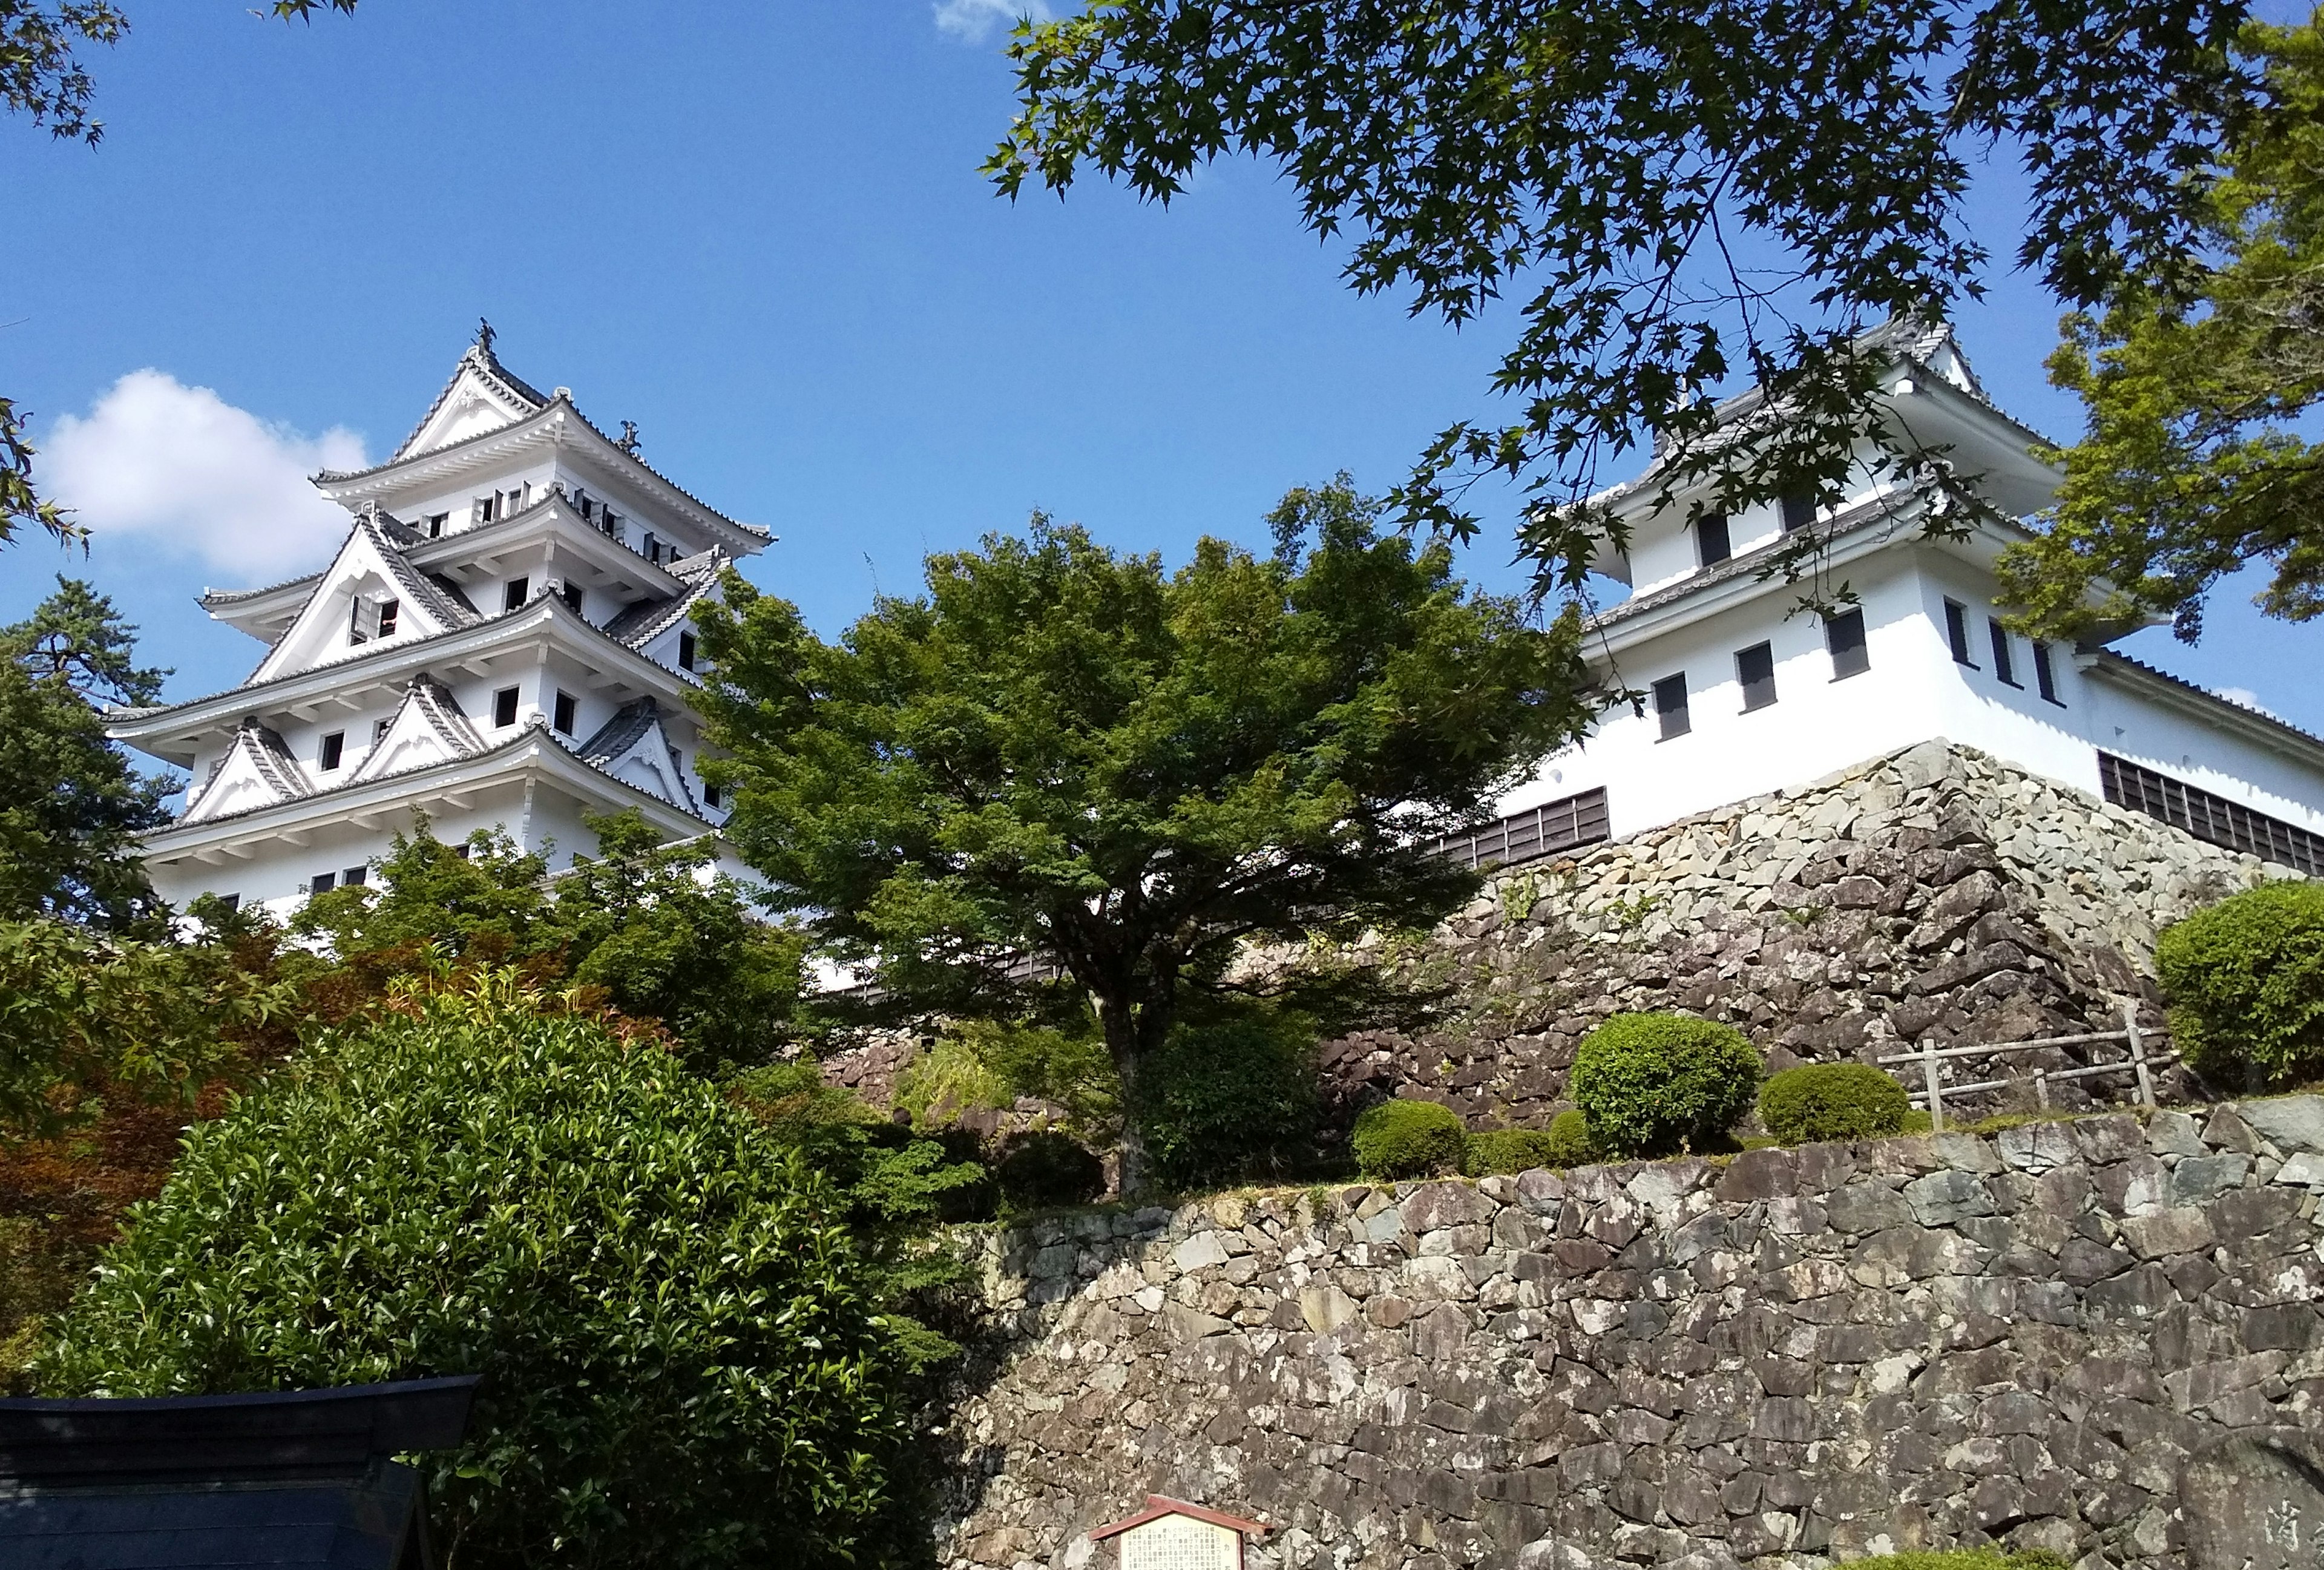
2192	465
686	1360
1068	753
1684	198
74	809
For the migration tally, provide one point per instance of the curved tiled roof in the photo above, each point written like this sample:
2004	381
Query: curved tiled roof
270	755
489	363
2115	657
642	622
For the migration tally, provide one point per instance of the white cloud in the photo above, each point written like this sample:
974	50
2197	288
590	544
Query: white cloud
2244	697
182	468
974	20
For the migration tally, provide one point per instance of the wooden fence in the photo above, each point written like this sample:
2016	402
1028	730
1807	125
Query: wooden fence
2140	1062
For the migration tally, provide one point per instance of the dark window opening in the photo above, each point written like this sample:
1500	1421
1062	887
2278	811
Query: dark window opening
488	507
2209	817
588	507
2003	666
513	597
1670	705
505	707
1755	668
436	522
356	632
653	549
1843	634
2045	678
354	877
1957	633
1712	543
686	651
334	746
320	883
709	794
379	729
1528	836
569	710
229	903
1799	513
387	613
461	850
572	593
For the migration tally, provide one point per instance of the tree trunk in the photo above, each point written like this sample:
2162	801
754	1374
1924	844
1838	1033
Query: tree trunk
1125	1045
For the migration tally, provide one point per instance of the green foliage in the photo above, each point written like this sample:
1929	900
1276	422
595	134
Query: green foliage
1688	200
1409	1139
1833	1101
2194	461
1064	752
990	1063
84	1015
2246	982
1506	1151
949	1077
1570	1144
1965	1559
1232	1097
70	818
685	1356
1043	1169
1652	1084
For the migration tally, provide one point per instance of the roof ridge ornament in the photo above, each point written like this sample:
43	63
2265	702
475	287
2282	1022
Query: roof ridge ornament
484	337
629	442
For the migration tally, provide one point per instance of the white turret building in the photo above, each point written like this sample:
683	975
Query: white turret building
504	639
1746	692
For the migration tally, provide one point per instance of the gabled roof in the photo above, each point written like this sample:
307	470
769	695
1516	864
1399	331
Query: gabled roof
640	623
2260	724
634	743
437	601
481	372
426	728
1160	1505
256	763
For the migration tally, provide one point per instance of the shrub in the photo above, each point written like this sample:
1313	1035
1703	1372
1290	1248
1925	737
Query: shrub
2245	981
1506	1150
1569	1141
1231	1098
1409	1139
1833	1101
1044	1168
1650	1084
685	1361
1965	1559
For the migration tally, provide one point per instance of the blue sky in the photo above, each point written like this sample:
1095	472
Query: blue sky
757	231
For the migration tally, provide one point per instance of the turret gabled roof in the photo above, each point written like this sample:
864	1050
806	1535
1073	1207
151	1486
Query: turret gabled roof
257	770
432	605
426	729
481	396
633	748
640	623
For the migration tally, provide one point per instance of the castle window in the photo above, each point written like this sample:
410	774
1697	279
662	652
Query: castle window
379	729
653	549
320	883
334	748
387	613
505	707
354	877
572	593
513	597
2003	666
586	507
1957	633
709	794
1799	513
488	507
436	522
1670	705
2044	677
568	711
686	651
1755	668
229	903
1843	635
1712	544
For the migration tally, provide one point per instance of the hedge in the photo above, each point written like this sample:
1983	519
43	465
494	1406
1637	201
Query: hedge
1409	1139
1833	1101
1653	1085
2246	982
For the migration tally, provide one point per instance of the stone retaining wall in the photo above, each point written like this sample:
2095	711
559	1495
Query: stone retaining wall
1778	1360
1932	893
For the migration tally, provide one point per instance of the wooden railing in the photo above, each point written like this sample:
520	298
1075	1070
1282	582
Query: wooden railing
2140	1062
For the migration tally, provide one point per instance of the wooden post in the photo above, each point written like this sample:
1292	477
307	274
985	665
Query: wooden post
2138	1053
1930	1075
2042	1088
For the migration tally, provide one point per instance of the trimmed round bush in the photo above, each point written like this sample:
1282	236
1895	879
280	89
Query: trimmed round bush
2246	982
1569	1141
1044	1169
1409	1139
1230	1099
1833	1101
1654	1085
685	1352
1506	1151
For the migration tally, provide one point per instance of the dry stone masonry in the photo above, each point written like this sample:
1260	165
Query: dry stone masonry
2099	1336
1934	892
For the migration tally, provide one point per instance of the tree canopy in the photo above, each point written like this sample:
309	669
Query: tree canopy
2193	465
686	1358
74	808
1060	753
1682	198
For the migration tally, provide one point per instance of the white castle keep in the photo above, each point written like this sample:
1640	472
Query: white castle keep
503	640
1747	693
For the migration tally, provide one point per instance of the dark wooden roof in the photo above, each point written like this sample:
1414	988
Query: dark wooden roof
282	1479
